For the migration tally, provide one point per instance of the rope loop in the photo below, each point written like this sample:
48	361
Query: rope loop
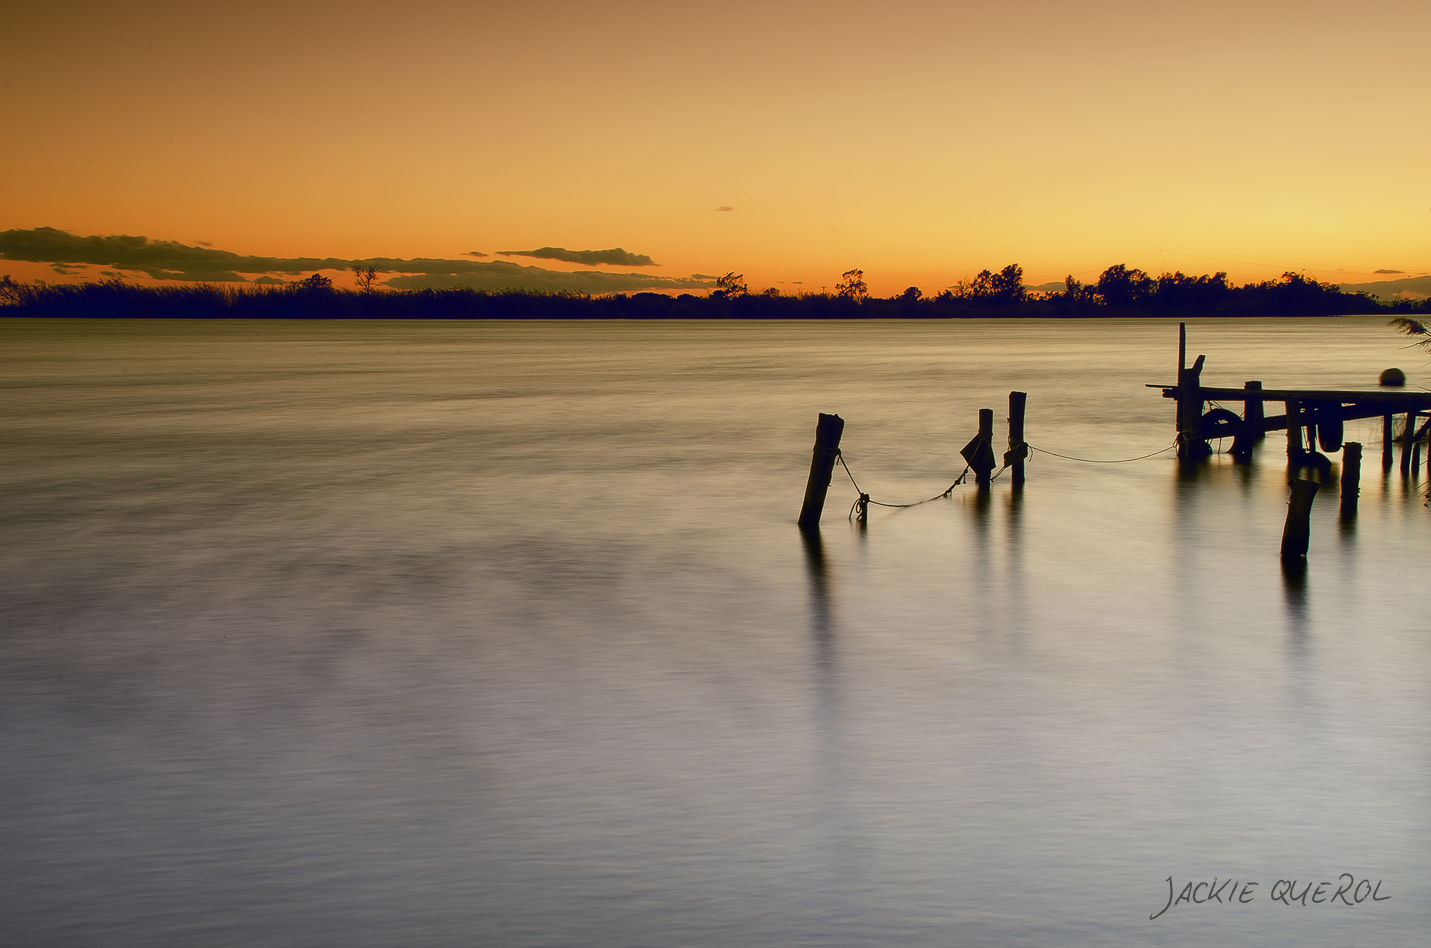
865	500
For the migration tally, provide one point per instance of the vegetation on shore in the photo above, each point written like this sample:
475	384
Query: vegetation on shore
1119	291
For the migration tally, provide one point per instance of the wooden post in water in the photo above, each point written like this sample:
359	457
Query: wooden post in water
1294	435
1297	533
1406	437
827	447
1191	446
1351	480
1018	448
1387	442
1252	417
979	452
983	474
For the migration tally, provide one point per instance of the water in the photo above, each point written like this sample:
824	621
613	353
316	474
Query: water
502	634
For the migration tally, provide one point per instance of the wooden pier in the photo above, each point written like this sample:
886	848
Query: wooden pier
1312	418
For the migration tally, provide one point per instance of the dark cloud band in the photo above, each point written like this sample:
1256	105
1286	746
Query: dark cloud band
169	260
615	257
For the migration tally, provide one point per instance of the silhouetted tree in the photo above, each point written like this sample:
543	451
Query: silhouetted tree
316	282
10	291
912	294
1120	286
1178	289
1008	285
1004	288
1075	292
1297	294
730	286
365	276
852	286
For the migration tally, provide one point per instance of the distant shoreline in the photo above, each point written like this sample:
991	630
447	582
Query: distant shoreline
116	300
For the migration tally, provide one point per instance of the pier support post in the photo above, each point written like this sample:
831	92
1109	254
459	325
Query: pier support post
827	447
1406	438
1252	418
1387	442
1018	448
1295	454
1297	533
1351	480
1191	446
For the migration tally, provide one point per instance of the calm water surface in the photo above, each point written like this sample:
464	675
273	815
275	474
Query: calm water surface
502	634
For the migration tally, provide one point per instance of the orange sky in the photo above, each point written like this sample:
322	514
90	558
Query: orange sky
919	141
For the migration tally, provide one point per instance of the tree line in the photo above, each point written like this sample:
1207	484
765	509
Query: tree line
1119	291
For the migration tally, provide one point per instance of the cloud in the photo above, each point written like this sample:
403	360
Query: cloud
501	275
1388	271
725	207
168	260
160	259
615	257
475	253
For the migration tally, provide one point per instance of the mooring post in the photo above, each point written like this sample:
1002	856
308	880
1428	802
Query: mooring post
1018	448
827	447
1406	437
1351	480
983	474
979	452
1386	442
1182	371
1297	533
1191	445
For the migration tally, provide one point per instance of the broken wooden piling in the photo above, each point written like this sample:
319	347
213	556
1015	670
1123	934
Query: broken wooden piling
822	465
979	452
1297	532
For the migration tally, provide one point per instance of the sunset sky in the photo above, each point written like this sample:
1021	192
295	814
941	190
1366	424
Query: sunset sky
921	142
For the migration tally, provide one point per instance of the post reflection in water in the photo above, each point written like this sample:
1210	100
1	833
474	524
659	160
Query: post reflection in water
836	889
1294	590
1017	592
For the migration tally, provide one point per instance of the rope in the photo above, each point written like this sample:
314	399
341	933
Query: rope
860	509
1143	457
864	498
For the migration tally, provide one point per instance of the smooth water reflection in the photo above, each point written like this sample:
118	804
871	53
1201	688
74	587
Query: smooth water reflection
503	634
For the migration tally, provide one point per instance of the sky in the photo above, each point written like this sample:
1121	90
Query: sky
920	142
